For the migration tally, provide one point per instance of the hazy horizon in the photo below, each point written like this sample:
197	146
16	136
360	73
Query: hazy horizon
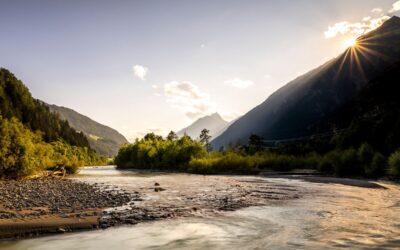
141	66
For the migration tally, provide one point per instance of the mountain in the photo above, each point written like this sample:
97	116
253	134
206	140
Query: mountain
373	116
221	131
104	140
213	122
295	109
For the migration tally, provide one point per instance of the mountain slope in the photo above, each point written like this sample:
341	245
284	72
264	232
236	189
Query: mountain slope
213	122
373	116
104	140
293	110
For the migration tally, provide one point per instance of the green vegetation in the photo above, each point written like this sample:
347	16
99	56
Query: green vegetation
394	163
24	152
32	138
188	155
154	152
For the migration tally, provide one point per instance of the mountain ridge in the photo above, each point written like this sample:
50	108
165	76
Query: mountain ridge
293	109
103	139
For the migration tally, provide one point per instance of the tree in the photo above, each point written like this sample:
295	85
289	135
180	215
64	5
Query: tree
255	143
172	136
205	139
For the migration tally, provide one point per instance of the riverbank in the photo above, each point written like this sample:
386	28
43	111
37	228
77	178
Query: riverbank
91	201
48	205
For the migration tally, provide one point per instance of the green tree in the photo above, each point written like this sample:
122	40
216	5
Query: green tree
205	139
172	136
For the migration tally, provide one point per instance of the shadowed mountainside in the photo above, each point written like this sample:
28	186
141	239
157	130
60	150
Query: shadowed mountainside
105	140
295	109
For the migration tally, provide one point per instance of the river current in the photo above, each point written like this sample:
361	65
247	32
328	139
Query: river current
324	216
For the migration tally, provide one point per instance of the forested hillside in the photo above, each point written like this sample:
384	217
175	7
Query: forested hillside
32	137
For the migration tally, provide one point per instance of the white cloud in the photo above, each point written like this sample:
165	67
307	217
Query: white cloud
356	28
395	7
239	83
140	71
189	98
367	18
377	10
267	76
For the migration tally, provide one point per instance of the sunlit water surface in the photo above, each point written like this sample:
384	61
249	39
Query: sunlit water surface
333	217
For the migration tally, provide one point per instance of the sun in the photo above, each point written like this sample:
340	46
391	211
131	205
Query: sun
351	42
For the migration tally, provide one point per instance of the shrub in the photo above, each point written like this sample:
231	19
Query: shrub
377	167
394	163
365	154
330	162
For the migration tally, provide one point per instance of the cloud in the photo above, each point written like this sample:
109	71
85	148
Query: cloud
187	97
267	76
239	83
140	71
356	29
377	10
395	7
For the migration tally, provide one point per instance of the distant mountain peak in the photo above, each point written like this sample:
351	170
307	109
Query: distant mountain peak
213	122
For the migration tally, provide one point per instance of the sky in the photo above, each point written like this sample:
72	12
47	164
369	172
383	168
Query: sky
155	66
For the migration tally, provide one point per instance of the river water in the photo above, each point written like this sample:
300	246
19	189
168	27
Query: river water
321	216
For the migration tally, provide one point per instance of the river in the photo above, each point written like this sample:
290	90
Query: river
314	216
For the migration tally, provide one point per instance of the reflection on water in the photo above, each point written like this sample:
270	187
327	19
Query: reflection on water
330	216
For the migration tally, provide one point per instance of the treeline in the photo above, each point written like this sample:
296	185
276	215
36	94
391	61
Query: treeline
32	138
188	155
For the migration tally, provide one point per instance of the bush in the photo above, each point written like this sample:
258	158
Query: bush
377	167
365	154
394	163
349	164
229	162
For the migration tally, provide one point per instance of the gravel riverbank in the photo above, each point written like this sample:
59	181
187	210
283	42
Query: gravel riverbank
31	207
42	206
